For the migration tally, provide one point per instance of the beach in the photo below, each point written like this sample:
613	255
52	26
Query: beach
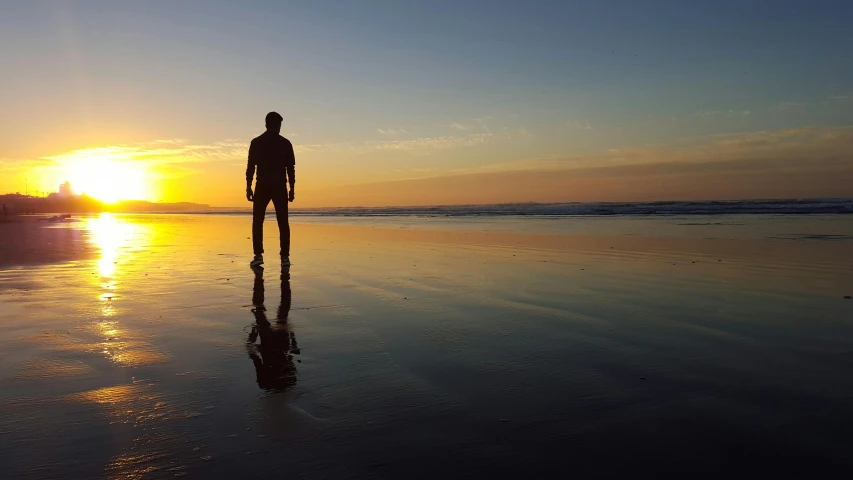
143	346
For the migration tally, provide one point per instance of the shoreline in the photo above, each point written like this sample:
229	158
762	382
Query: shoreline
811	206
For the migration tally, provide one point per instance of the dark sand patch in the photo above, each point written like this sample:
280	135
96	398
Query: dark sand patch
28	242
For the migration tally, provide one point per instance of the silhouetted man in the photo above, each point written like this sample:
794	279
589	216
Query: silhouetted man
273	155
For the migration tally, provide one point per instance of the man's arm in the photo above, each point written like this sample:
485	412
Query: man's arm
291	170
250	174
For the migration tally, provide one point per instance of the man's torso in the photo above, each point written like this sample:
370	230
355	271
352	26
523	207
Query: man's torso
271	154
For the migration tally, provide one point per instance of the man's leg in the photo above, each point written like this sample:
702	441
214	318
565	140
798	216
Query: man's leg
259	209
279	201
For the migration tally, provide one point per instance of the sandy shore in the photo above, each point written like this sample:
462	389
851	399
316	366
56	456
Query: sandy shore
143	346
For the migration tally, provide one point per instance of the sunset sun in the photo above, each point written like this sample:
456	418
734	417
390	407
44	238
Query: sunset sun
107	179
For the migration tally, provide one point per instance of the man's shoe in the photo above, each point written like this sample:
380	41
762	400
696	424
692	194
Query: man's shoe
257	261
285	261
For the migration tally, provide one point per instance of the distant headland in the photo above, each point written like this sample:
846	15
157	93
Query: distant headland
21	204
65	201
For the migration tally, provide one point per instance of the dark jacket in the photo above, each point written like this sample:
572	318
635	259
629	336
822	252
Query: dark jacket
273	155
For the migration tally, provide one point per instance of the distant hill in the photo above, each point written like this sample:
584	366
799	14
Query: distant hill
16	203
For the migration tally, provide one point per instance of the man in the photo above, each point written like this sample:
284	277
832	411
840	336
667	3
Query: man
273	155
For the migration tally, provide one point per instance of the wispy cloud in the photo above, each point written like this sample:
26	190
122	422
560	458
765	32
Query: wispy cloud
770	149
391	131
438	143
486	123
579	124
161	152
842	98
787	105
482	122
415	146
15	164
712	115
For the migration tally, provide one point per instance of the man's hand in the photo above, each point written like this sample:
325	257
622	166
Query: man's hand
249	195
290	196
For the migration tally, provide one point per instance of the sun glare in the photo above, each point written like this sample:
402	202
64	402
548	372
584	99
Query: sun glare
109	174
108	180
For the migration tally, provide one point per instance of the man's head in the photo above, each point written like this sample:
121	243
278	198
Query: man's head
273	122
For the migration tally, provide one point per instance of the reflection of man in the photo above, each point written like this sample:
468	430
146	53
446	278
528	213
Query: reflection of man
273	156
273	355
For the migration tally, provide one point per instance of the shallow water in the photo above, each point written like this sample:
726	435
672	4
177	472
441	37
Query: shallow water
429	346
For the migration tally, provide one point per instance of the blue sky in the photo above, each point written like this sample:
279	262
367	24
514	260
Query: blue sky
551	79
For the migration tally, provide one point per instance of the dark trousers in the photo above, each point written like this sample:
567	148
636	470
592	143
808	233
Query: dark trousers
263	195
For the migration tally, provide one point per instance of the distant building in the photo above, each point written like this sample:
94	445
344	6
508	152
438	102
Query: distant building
65	190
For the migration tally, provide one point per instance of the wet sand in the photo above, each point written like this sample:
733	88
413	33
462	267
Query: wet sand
144	347
31	240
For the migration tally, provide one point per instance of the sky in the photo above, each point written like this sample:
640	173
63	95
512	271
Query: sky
431	102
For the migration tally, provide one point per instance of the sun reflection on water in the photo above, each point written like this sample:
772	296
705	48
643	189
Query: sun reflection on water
118	240
112	236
